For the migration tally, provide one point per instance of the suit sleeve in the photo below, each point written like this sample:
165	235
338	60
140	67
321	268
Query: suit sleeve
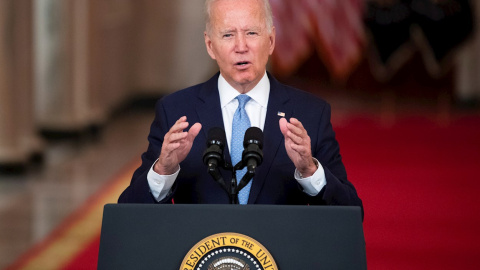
139	191
338	190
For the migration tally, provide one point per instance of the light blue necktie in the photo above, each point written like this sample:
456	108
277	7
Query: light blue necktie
240	124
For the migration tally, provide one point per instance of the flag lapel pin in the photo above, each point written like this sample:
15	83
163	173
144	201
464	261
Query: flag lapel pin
281	114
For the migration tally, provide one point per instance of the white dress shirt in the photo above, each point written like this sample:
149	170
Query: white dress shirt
256	109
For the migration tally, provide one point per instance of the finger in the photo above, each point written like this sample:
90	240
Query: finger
295	129
283	126
296	122
182	119
179	126
193	131
175	137
294	138
172	135
168	148
301	149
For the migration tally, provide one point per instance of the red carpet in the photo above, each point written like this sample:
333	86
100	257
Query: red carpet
87	258
419	182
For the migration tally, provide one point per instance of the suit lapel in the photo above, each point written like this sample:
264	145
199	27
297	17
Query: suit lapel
208	109
273	138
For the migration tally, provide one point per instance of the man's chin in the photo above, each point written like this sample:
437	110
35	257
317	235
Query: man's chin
245	80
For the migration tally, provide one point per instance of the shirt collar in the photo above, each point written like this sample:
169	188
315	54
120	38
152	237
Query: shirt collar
259	93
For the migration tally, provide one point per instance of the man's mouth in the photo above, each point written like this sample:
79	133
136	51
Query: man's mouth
242	63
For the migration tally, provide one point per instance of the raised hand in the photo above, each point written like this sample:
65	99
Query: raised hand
177	143
298	146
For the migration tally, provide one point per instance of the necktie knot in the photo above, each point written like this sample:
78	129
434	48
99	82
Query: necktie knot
242	100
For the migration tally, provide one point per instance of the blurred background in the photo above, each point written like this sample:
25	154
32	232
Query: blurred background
79	80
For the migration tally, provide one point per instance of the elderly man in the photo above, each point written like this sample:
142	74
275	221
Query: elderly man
302	163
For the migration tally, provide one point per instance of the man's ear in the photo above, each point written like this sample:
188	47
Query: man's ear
208	44
272	40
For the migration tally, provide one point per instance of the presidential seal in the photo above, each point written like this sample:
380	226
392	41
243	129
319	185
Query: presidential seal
228	251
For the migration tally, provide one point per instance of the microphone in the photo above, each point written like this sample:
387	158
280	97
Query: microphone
252	155
213	155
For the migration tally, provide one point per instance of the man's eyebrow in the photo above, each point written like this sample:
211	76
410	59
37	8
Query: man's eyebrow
226	31
246	29
254	29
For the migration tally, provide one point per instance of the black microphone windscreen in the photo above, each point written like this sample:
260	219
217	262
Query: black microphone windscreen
217	135
253	135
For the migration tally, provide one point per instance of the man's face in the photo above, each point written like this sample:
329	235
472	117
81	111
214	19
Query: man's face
240	42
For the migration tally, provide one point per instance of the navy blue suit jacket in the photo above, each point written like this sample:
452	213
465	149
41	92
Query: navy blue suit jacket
274	182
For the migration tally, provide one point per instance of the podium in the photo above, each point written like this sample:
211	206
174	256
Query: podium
182	237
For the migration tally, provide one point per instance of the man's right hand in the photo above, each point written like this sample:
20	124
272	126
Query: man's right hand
176	146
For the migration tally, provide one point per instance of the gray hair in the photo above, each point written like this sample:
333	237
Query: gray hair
266	8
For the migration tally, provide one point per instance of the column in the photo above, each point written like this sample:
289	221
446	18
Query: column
18	138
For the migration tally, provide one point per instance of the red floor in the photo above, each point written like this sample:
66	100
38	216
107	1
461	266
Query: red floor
419	182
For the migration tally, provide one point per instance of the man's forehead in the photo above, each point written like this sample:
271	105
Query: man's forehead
222	7
234	19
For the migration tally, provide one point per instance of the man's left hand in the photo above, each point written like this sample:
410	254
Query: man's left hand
298	146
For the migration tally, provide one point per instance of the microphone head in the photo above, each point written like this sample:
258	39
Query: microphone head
253	135
216	136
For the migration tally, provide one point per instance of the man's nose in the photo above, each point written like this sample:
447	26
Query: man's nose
241	44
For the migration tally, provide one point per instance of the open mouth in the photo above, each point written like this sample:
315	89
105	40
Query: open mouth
242	64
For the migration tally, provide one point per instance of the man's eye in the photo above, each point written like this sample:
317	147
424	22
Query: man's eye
252	33
227	35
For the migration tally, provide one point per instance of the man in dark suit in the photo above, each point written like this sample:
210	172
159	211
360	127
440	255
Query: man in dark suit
302	162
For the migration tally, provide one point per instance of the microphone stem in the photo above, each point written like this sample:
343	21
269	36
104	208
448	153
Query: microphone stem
233	188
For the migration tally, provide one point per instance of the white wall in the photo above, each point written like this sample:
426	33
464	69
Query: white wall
467	80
